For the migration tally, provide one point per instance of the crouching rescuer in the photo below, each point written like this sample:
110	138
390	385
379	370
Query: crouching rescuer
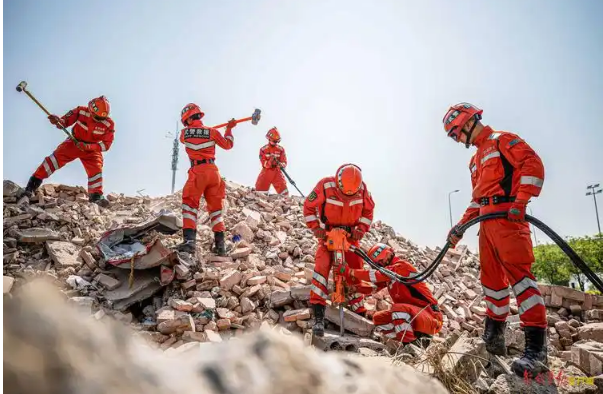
340	201
94	131
203	177
505	174
415	315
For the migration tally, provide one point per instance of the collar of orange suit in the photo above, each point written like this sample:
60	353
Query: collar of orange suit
486	131
195	123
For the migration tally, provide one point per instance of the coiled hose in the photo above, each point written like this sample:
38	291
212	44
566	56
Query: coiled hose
421	276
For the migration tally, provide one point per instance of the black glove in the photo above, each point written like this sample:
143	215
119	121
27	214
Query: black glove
455	235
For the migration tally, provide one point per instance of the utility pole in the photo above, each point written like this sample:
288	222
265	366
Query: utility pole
174	156
594	192
450	206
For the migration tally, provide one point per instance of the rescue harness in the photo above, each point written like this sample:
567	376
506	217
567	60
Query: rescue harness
421	276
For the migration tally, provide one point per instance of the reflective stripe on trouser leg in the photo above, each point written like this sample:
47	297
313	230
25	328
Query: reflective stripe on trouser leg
384	325
319	292
49	165
95	183
216	221
280	184
515	256
532	311
191	194
402	327
387	330
356	303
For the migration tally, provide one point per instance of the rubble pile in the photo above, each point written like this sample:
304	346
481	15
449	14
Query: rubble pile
119	263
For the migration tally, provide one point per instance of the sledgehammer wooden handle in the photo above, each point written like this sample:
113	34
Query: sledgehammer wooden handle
22	87
255	118
225	124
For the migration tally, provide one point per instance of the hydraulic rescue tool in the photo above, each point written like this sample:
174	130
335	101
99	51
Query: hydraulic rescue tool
337	243
22	87
254	118
421	276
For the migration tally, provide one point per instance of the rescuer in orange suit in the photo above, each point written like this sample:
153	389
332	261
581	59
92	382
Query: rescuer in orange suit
203	177
273	158
505	174
415	313
340	201
94	130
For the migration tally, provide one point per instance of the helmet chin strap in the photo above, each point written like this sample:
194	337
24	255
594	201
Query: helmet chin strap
470	132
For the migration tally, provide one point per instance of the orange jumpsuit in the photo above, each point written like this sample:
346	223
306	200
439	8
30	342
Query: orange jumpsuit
414	309
505	168
327	207
203	177
271	173
98	134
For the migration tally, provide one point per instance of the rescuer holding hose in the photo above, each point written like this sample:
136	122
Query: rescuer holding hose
505	174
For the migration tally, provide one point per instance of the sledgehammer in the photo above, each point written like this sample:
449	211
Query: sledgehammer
22	87
254	118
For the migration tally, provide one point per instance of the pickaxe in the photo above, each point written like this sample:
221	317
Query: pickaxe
254	118
22	87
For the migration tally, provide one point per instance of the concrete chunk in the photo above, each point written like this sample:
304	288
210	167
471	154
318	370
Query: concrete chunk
280	298
107	282
459	360
63	254
589	357
301	293
37	234
349	343
352	322
297	314
591	331
230	279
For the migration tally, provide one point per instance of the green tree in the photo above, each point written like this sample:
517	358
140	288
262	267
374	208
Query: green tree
551	265
591	251
554	267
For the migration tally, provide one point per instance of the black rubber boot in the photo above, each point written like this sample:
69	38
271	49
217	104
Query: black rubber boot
319	320
494	336
423	340
189	241
219	246
32	185
534	358
99	199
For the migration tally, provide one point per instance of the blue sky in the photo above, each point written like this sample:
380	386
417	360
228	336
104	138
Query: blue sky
344	81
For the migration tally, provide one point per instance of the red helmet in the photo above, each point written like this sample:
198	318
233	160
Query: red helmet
273	135
381	253
457	116
349	179
99	107
189	110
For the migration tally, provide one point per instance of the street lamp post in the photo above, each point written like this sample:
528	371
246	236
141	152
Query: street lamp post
594	192
450	206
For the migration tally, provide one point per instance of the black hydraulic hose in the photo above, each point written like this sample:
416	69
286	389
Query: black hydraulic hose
421	276
292	182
